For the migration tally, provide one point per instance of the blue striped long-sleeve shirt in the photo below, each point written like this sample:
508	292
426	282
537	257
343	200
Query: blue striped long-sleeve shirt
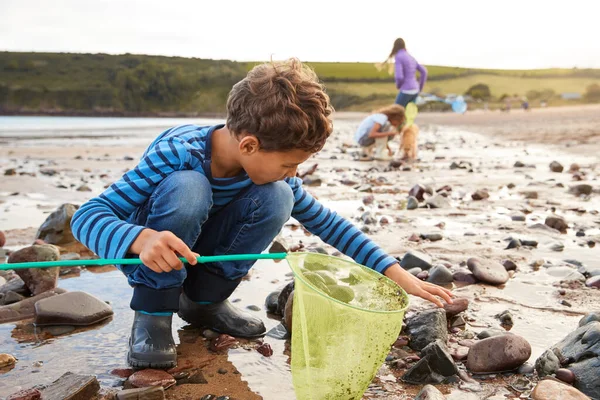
101	224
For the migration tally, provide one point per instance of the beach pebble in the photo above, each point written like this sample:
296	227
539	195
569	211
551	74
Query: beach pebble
148	393
7	360
439	275
488	271
71	308
458	305
288	312
555	166
430	392
549	389
593	282
417	192
412	203
565	375
438	201
464	275
498	353
2	238
557	222
416	259
581	189
26	394
509	265
480	195
37	280
151	377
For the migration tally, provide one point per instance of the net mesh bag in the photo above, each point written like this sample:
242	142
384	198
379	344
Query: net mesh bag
344	321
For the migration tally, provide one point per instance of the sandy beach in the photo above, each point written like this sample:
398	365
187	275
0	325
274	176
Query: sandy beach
507	155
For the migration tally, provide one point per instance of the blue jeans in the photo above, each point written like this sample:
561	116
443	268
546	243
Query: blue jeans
181	204
404	98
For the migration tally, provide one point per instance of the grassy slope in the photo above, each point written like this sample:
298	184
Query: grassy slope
362	82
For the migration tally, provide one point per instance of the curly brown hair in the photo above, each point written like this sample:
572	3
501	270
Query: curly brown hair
283	104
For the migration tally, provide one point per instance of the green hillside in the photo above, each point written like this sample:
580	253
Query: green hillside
150	85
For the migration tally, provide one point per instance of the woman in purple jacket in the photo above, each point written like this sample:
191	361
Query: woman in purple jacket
405	74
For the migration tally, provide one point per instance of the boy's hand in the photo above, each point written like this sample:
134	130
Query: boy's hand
159	250
413	285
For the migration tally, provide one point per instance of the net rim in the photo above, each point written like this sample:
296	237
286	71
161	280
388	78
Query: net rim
298	275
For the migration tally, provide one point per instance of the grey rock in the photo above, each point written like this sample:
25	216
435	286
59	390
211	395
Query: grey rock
488	271
505	318
439	358
544	227
72	308
440	275
24	309
426	327
433	237
415	271
412	203
438	201
271	301
416	259
591	317
587	376
488	333
16	285
464	275
10	298
56	229
547	364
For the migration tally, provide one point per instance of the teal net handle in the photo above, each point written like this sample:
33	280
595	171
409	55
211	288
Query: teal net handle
127	261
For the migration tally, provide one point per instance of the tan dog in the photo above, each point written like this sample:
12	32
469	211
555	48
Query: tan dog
409	142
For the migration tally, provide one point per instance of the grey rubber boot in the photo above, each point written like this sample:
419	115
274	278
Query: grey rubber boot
221	317
151	344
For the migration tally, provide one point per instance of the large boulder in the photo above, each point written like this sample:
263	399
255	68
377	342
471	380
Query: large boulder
579	352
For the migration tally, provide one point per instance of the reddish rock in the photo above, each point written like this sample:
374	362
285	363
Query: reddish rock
565	375
499	353
417	192
151	377
38	280
27	394
223	342
2	239
458	305
122	372
265	349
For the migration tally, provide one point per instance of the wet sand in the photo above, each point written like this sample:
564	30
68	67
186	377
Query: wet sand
469	228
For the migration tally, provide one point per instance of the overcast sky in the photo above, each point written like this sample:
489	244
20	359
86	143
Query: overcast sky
469	33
